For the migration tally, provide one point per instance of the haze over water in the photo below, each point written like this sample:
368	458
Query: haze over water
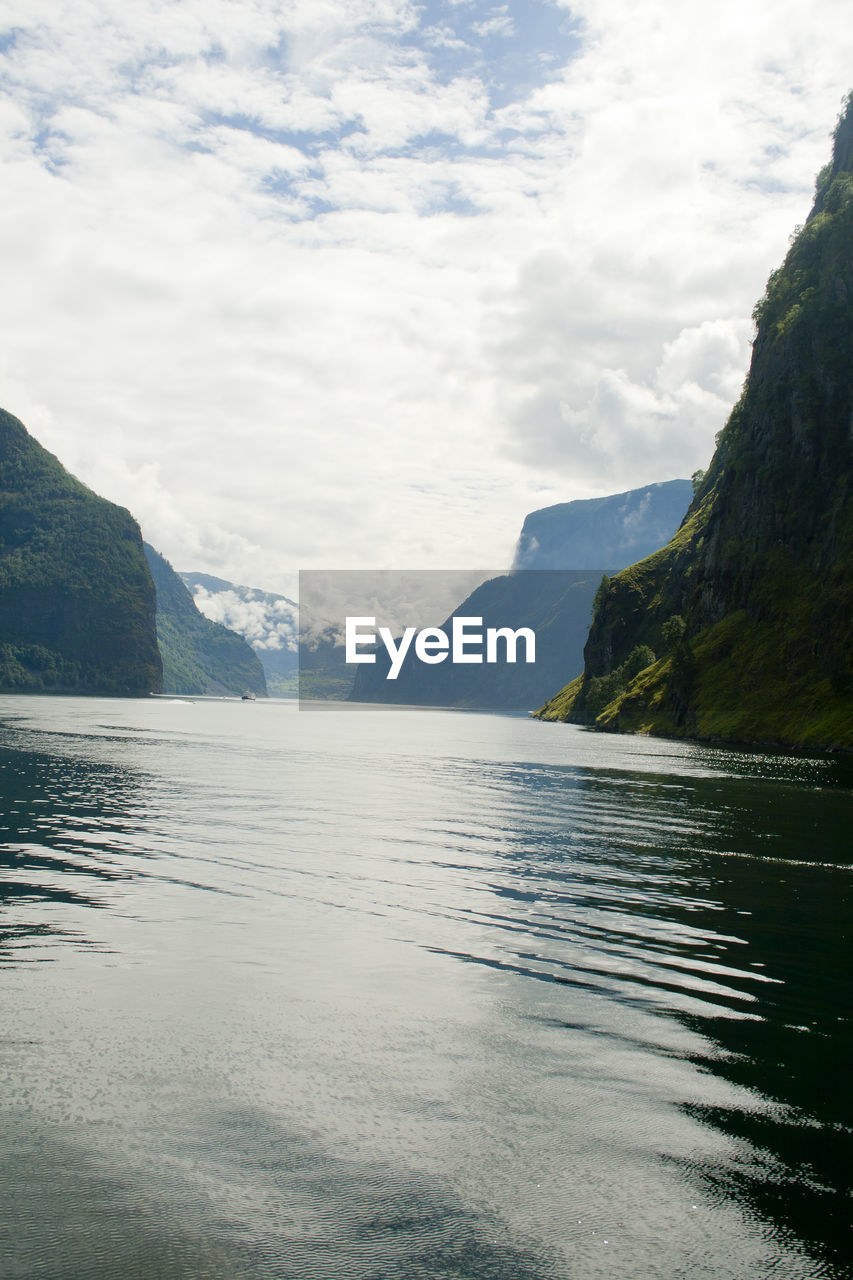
375	992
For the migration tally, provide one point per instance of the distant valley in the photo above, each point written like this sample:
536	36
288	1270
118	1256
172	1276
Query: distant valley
266	621
561	555
721	608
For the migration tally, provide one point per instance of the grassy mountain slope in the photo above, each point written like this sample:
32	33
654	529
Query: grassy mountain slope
199	656
76	597
749	608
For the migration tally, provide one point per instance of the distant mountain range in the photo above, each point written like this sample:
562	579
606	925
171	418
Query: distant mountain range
85	606
561	555
556	605
609	532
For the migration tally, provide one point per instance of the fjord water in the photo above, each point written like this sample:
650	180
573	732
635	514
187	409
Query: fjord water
372	992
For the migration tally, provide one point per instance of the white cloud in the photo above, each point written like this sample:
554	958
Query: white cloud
287	284
268	625
710	356
443	38
500	24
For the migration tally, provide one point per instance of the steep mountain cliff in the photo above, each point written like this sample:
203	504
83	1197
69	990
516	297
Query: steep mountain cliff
76	597
749	609
554	603
560	556
613	531
199	656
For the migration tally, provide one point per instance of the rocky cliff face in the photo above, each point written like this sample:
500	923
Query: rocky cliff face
748	609
613	531
561	554
76	597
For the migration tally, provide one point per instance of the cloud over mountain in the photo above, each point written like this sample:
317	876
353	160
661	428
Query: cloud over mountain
360	282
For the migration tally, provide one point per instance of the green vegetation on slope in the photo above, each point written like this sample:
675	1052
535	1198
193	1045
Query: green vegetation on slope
267	621
199	656
76	598
760	574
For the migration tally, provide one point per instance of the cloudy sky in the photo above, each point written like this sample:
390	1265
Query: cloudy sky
358	283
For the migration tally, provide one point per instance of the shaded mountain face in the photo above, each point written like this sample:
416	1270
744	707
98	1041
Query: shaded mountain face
561	554
77	605
199	656
554	604
268	622
613	531
749	608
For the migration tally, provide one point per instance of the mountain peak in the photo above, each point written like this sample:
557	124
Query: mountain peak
841	162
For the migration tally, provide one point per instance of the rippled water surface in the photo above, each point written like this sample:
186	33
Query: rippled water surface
365	992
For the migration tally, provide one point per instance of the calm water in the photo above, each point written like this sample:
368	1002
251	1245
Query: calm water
372	992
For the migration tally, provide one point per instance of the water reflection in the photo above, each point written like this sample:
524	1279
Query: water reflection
424	996
726	904
287	1206
66	827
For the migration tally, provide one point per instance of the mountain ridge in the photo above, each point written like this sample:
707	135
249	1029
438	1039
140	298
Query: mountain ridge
611	531
551	588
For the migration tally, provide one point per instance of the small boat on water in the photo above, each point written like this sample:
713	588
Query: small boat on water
248	696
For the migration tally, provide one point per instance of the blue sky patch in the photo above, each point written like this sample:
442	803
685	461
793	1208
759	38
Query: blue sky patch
512	48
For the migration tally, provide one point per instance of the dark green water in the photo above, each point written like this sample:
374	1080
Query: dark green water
373	992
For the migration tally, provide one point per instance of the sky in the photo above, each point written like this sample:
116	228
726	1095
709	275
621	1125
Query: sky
356	284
